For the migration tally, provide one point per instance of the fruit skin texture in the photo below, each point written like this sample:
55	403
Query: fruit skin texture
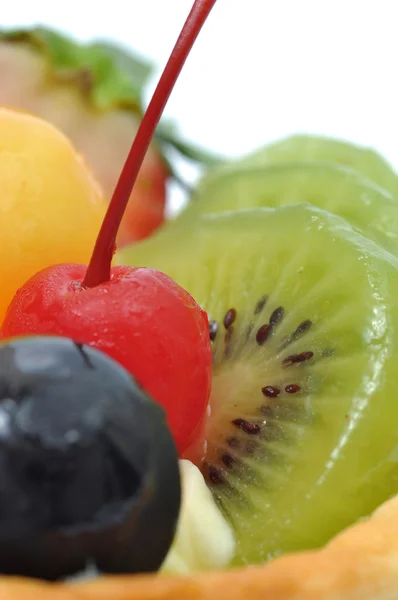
142	319
51	207
91	468
92	94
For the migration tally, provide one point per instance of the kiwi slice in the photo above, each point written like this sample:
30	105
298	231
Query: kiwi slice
369	208
313	148
302	437
310	148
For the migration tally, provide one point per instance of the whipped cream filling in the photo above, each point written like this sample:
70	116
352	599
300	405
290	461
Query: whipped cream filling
204	540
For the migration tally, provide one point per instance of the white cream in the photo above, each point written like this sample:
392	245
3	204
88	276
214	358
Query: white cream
204	540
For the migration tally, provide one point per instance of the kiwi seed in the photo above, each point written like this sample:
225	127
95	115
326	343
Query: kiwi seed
229	317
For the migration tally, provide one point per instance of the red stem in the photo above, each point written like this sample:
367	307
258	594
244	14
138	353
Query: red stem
99	269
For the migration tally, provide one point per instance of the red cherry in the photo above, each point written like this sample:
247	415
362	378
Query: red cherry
141	318
138	316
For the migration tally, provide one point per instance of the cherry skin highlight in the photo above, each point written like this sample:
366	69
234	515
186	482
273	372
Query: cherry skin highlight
138	316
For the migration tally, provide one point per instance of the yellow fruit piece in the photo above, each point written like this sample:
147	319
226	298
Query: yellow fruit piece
51	207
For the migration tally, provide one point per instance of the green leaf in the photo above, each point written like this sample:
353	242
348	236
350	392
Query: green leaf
167	133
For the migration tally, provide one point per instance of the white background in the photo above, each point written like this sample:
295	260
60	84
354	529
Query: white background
261	69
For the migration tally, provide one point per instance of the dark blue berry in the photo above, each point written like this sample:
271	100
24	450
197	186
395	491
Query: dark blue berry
88	468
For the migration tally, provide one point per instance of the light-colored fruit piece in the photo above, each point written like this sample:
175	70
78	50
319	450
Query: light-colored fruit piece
51	207
291	466
204	540
368	208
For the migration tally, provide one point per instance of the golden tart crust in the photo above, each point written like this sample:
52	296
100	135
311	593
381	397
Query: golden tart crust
361	563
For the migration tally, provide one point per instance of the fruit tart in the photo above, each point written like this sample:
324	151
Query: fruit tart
214	416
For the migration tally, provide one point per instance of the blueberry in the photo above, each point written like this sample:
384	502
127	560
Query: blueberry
88	468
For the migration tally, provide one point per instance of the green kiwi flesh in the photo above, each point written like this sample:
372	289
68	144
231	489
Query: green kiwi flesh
313	148
302	437
368	208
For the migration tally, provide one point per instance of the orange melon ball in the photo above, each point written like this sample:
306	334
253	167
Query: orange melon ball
51	207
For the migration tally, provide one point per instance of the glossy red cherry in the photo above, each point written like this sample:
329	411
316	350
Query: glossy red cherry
139	317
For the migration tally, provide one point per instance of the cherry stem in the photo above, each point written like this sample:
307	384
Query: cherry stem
99	269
